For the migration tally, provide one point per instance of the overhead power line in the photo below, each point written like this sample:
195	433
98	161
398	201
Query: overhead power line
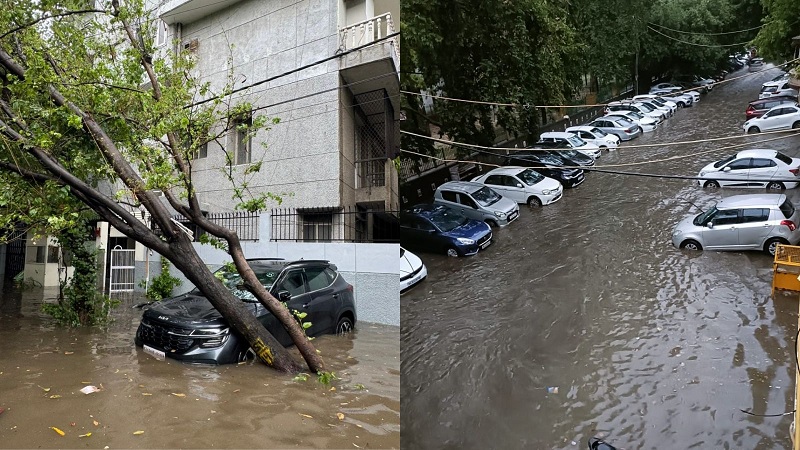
708	34
695	43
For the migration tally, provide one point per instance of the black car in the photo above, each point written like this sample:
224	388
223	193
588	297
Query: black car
567	153
189	328
442	229
550	165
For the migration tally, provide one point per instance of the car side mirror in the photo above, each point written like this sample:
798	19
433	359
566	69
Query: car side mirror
284	296
519	185
727	169
710	224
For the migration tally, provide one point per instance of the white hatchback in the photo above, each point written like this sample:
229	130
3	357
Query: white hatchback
647	124
596	136
412	270
781	117
523	185
761	168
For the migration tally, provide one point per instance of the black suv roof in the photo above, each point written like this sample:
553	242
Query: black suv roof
282	263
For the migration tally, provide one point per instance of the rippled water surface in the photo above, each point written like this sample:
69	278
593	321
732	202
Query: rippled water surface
178	405
649	346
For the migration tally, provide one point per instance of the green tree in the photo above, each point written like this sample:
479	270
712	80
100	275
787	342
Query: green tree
781	24
87	113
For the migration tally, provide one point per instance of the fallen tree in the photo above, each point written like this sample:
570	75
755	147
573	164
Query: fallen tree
87	112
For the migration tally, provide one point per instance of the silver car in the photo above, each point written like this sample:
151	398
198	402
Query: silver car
478	202
741	222
618	126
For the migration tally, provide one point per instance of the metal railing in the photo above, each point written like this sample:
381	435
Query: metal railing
351	224
243	222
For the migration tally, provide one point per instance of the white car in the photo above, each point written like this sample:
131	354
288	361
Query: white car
658	101
596	136
683	100
658	106
647	124
781	117
753	168
642	109
523	185
557	139
412	270
673	89
777	89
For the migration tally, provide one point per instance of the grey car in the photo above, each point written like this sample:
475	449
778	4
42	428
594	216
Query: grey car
619	126
477	202
741	222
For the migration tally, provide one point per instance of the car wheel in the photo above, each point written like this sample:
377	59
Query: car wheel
796	125
534	201
344	326
775	186
691	244
452	252
772	244
491	223
711	184
753	130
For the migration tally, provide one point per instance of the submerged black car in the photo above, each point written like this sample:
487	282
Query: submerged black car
189	328
549	165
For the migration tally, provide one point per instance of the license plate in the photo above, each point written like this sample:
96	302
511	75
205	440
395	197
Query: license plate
486	244
157	354
512	216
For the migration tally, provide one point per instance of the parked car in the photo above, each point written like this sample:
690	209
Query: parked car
781	117
741	222
552	139
681	100
596	136
412	270
441	229
777	89
695	81
657	102
647	124
549	165
477	202
781	77
753	168
621	127
646	111
189	328
666	87
758	108
523	185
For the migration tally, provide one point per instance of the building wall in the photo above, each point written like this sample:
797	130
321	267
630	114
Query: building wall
347	129
257	40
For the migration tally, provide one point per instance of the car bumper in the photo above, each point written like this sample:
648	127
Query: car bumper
509	218
552	198
648	128
574	182
412	279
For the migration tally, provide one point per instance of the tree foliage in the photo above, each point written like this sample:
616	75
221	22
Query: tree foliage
781	24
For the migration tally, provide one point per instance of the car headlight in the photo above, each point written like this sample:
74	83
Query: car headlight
500	215
677	232
465	241
702	174
547	192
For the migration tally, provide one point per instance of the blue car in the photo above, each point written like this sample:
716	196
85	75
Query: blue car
439	228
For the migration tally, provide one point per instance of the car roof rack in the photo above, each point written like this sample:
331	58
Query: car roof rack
315	261
266	259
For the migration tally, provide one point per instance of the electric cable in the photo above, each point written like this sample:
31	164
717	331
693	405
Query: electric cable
708	34
697	44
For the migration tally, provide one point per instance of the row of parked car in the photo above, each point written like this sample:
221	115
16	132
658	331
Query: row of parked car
776	108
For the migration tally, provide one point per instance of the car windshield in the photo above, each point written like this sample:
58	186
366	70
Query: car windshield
550	159
569	153
599	132
703	218
486	197
721	163
783	158
657	101
447	219
636	114
530	177
233	281
575	141
646	107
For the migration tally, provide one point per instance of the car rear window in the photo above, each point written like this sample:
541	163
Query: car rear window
787	208
783	158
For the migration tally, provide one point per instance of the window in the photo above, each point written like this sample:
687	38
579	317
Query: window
449	196
762	163
161	32
467	201
239	143
318	278
293	283
740	164
726	217
496	180
317	227
783	158
53	252
755	215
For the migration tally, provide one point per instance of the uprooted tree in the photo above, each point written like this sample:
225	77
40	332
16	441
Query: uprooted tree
88	113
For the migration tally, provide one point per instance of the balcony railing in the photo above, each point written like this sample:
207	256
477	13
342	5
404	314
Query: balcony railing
370	30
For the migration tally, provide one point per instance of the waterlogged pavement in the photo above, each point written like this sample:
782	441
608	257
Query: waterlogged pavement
146	403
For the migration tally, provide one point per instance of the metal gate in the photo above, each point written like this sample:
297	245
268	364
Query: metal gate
15	256
122	270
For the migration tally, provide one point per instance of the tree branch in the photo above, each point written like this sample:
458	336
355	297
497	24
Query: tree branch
43	18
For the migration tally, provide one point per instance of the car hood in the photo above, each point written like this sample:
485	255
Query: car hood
548	184
473	229
185	310
709	168
505	205
686	225
409	262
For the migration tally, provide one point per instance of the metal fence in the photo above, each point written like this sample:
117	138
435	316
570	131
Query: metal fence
243	222
351	224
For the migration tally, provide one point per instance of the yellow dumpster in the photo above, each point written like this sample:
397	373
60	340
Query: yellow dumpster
786	268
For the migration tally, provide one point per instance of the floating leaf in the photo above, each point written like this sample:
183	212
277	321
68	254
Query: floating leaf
68	353
138	432
179	395
90	389
305	415
60	433
55	396
146	393
237	390
85	435
86	382
45	389
340	416
332	388
72	424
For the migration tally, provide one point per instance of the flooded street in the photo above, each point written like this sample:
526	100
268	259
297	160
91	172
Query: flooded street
648	346
43	368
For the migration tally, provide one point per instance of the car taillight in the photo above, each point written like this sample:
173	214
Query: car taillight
350	287
750	108
630	130
789	224
795	171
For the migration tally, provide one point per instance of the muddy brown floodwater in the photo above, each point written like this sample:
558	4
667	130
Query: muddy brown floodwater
649	346
185	406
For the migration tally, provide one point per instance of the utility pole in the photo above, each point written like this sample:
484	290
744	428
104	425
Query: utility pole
636	66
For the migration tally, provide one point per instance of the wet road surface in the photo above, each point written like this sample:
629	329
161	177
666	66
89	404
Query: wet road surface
232	406
648	346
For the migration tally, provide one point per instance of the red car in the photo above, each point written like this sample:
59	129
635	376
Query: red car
758	108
